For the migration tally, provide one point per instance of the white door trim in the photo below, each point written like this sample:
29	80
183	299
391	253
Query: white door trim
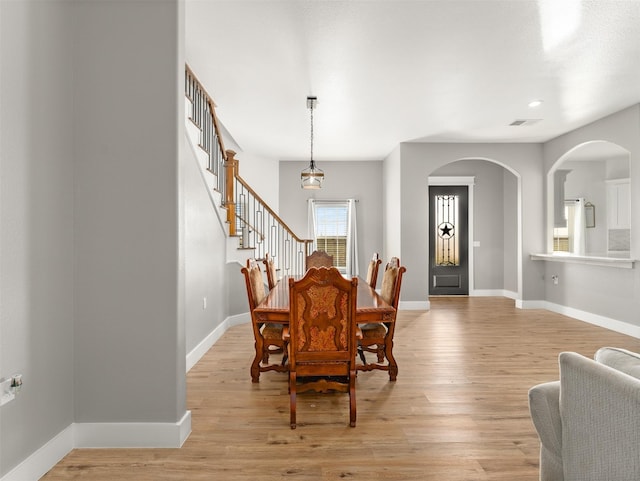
469	181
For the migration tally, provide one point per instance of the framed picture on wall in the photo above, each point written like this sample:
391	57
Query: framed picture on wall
590	214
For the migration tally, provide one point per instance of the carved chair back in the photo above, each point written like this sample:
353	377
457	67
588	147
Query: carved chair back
323	335
270	269
372	270
319	259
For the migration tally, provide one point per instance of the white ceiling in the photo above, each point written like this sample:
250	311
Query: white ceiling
387	72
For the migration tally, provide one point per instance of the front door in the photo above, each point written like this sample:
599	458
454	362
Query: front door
448	240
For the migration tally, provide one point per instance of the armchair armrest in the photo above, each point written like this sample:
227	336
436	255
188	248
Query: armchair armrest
544	405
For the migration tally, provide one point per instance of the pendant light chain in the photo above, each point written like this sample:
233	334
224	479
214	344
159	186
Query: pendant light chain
311	177
311	107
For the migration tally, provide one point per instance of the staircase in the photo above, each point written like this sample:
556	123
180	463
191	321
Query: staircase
253	228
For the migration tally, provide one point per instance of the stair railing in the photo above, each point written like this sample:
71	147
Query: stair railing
203	115
249	218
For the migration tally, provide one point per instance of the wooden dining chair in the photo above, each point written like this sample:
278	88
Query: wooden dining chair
322	336
270	269
375	336
268	336
319	259
372	270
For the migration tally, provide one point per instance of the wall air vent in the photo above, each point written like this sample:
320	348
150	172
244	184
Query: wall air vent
523	122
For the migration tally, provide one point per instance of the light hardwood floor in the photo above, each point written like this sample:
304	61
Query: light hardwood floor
458	411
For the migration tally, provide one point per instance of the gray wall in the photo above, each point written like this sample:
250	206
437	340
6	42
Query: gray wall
128	112
236	294
510	242
36	223
91	252
392	211
204	256
604	291
343	180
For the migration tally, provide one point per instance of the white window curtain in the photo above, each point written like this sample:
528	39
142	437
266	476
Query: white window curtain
311	223
352	240
576	225
337	219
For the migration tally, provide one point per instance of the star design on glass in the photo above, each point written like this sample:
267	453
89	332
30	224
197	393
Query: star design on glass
446	230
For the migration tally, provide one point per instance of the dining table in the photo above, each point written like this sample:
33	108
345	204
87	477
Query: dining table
370	307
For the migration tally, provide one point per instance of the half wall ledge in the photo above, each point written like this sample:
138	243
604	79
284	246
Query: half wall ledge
588	260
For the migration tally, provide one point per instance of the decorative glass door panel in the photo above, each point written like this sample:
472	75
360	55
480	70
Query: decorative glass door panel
448	240
447	245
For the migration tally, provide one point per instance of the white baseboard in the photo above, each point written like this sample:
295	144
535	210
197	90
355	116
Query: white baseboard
493	293
201	349
41	461
589	317
520	304
596	319
100	435
414	305
133	435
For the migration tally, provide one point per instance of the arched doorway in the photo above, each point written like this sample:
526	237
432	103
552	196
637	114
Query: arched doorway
493	241
595	177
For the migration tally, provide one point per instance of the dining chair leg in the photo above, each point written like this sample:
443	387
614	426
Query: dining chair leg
393	365
361	354
352	398
255	365
292	397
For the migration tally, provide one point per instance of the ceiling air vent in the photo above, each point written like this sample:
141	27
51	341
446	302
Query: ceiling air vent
523	122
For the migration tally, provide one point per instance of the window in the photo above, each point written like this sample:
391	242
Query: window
332	226
331	232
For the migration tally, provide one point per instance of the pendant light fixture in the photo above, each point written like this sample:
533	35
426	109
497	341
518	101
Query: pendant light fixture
312	176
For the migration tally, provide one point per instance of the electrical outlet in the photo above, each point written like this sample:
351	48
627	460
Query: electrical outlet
204	303
554	278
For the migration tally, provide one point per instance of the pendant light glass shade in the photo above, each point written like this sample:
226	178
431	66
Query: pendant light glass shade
312	176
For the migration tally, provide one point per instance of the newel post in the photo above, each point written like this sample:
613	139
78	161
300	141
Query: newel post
231	169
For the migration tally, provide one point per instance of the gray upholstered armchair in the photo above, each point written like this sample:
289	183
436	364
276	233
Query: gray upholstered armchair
589	421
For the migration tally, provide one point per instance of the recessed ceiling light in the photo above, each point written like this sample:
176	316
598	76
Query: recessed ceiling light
535	103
